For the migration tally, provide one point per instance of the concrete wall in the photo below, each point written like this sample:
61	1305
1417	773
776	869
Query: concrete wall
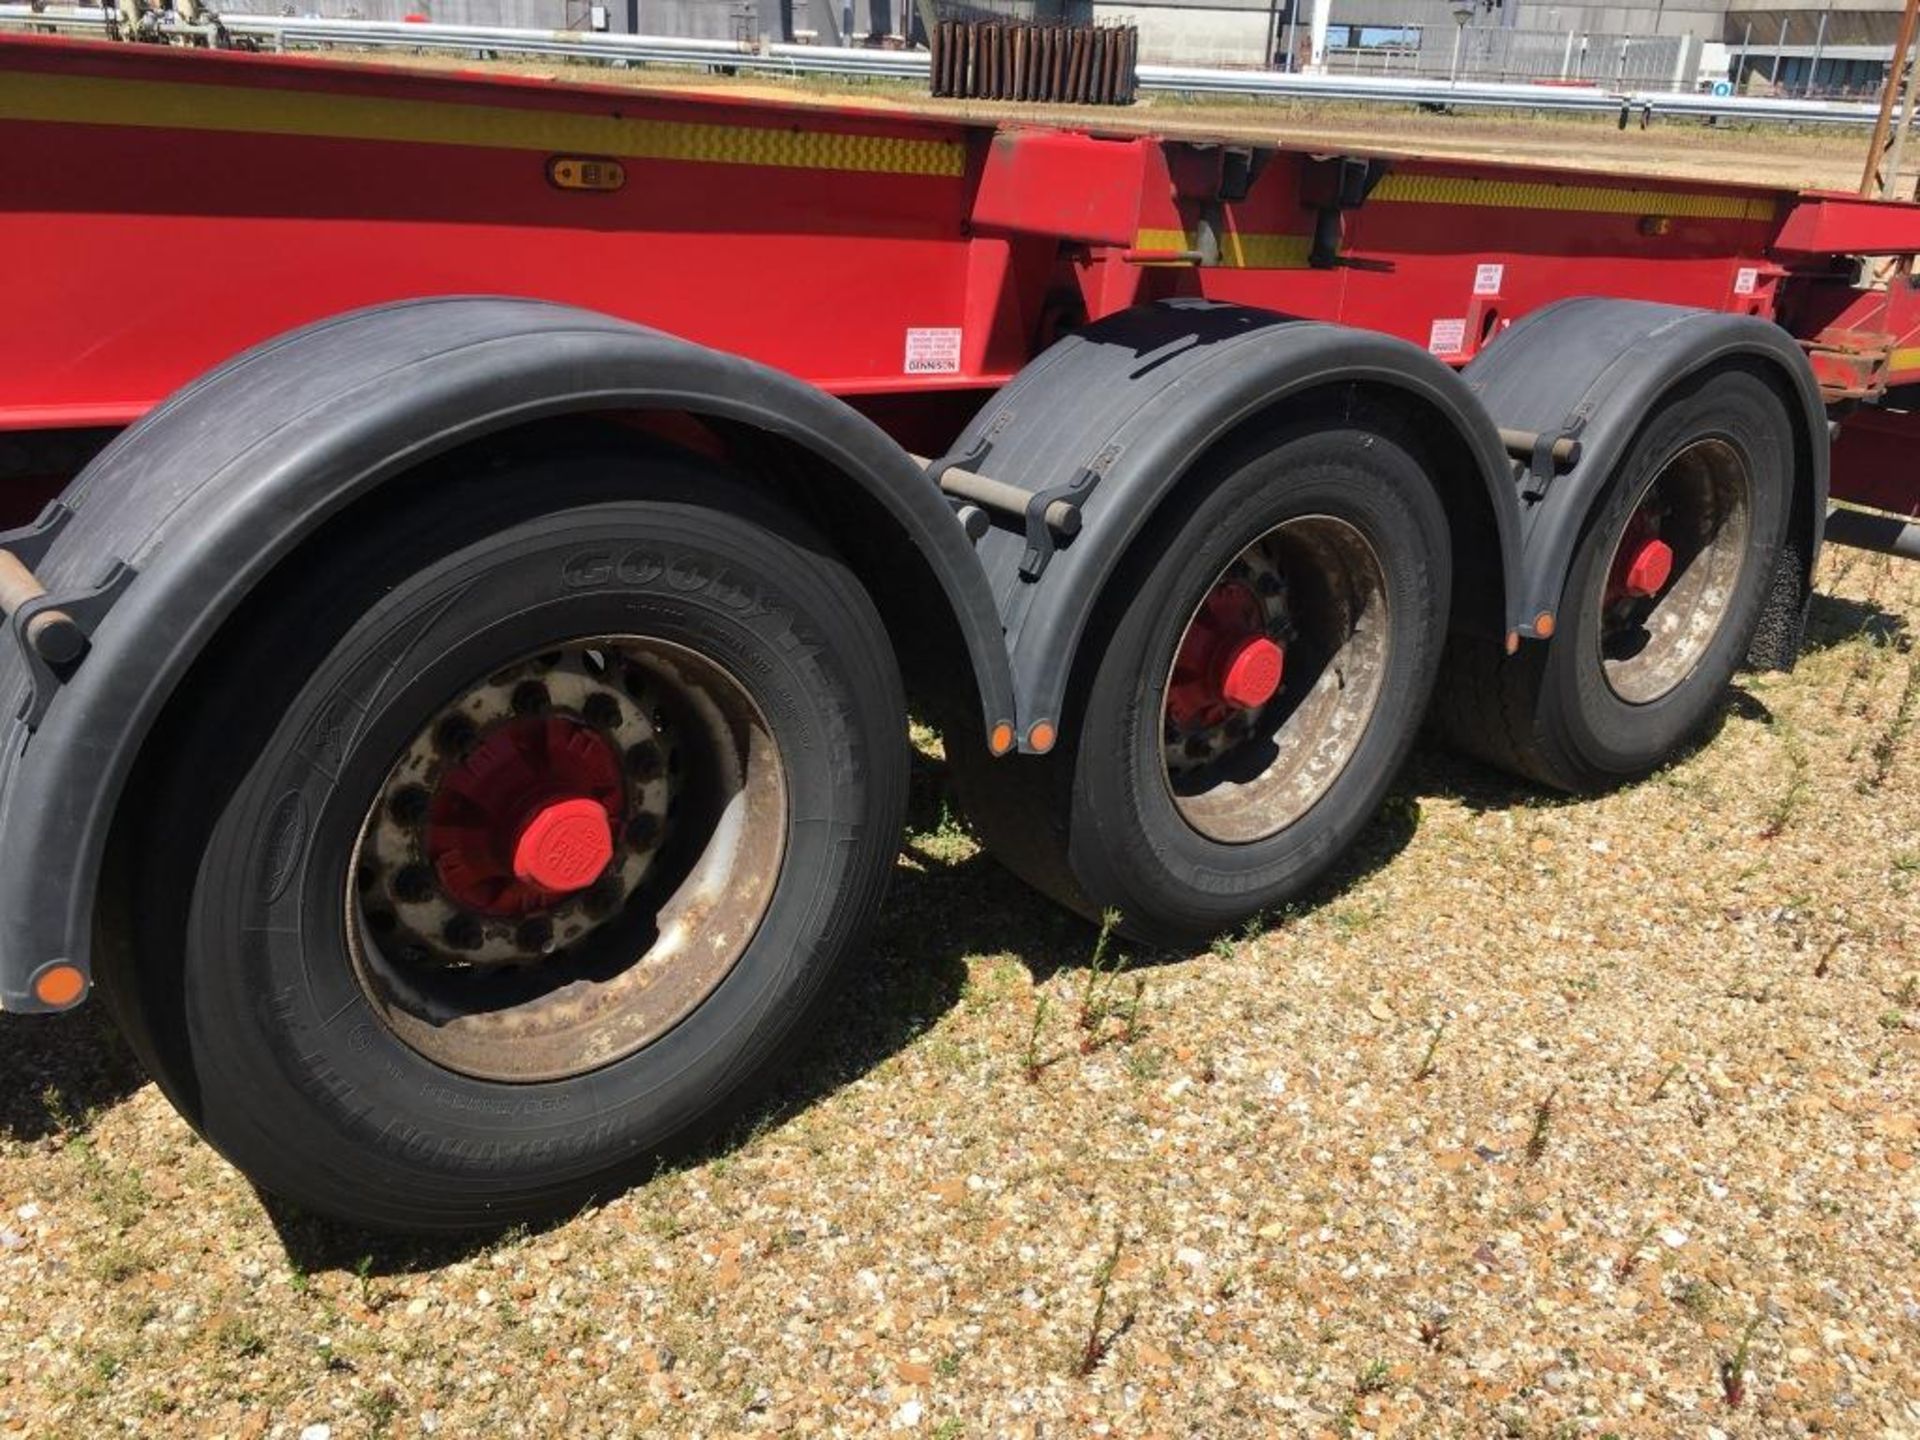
1173	34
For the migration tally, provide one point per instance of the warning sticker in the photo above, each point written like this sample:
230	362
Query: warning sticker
933	351
1744	279
1448	337
1487	278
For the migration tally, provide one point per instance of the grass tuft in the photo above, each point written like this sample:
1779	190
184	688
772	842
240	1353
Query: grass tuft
1034	1064
1100	1340
1733	1371
1424	1071
1542	1126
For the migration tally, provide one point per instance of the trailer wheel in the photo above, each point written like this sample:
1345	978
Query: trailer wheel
1660	602
1261	674
532	859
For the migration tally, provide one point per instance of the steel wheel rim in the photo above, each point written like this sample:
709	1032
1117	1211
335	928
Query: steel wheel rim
544	985
1323	603
1699	510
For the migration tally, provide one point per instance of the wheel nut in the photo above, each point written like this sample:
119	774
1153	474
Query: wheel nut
643	760
601	710
462	932
643	831
455	735
412	884
530	697
533	934
408	805
603	897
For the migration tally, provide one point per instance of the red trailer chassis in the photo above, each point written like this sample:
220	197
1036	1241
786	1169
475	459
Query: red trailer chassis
166	210
593	712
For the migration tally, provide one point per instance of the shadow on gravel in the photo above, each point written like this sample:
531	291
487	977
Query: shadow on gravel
948	901
1834	620
944	905
1437	770
58	1071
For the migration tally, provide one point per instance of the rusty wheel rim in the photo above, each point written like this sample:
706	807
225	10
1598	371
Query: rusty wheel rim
567	859
1674	570
1274	682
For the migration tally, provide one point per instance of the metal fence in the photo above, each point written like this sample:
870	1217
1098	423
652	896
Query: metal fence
290	33
1495	53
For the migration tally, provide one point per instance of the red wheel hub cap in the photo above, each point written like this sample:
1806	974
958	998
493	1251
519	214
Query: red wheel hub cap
1252	675
1226	662
528	817
565	846
1647	572
1642	565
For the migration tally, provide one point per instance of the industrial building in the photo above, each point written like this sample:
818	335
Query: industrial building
1838	49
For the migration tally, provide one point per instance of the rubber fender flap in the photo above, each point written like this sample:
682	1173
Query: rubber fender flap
215	486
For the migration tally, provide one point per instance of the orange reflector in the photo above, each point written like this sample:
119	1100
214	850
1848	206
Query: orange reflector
583	172
1543	624
1001	740
1513	641
1040	737
59	986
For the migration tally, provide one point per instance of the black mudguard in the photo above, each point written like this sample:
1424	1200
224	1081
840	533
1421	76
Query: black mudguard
1138	398
1592	368
197	502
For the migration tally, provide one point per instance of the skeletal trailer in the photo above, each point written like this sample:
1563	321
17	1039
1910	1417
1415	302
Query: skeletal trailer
458	716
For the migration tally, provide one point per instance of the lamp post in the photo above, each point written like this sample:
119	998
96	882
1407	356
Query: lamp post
1462	13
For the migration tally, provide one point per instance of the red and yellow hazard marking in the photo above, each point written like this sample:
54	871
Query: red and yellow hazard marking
1238	251
256	110
1403	189
1242	251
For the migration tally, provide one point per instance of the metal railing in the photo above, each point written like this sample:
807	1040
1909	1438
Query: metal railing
1498	53
277	32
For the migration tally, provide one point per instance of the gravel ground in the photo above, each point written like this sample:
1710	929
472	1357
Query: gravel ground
1545	1118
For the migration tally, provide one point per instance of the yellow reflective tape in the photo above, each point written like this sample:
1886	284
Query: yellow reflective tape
1546	195
256	110
1904	360
1237	251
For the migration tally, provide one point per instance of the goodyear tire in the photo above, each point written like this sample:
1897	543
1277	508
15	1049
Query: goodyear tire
1660	603
511	840
1247	693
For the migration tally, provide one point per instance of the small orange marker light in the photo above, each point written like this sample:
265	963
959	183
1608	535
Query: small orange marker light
585	172
1041	737
59	985
1543	624
1513	642
1001	740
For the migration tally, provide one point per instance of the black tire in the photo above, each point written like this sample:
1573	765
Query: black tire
1095	824
243	994
1549	712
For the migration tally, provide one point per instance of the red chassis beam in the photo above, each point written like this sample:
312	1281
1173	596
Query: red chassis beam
164	209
